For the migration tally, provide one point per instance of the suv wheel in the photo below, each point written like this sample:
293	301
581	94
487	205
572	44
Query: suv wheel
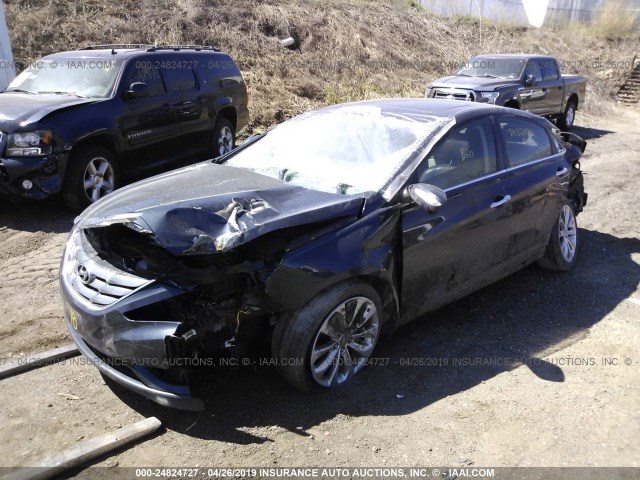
328	341
92	173
223	137
562	250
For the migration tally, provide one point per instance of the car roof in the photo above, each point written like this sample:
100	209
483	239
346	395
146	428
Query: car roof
124	52
523	56
439	108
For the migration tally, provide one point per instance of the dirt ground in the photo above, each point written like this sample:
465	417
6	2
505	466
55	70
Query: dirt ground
539	369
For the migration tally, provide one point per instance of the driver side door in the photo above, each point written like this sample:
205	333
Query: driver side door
463	246
149	125
533	96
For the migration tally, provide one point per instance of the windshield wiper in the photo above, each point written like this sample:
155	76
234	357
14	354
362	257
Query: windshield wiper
463	75
225	156
64	93
488	75
20	90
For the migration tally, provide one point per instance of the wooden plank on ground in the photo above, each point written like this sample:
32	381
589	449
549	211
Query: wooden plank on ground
18	365
85	451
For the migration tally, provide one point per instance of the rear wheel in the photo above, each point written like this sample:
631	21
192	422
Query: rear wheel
328	341
566	120
223	137
91	174
562	250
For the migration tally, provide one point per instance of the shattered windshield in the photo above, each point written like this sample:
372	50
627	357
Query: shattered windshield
492	68
82	77
346	150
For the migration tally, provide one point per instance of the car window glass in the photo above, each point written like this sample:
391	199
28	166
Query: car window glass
533	68
467	152
145	73
557	141
79	76
180	79
525	141
549	70
346	150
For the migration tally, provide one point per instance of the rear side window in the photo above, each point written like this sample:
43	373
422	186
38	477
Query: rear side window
218	67
524	141
549	70
180	79
467	152
144	72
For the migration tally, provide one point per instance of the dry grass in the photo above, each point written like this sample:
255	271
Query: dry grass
351	49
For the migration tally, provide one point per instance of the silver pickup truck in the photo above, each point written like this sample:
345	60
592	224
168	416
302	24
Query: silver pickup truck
527	82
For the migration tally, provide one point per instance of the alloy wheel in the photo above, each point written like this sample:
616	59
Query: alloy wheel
98	178
225	140
344	341
568	233
570	116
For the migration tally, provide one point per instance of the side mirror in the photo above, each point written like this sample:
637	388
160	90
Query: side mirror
137	90
574	140
428	197
530	81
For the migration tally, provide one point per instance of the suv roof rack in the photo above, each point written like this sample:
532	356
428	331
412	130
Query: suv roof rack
148	47
116	45
182	47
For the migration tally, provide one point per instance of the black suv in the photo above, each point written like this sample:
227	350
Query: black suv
82	121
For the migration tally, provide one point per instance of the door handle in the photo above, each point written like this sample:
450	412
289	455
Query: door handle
561	171
502	201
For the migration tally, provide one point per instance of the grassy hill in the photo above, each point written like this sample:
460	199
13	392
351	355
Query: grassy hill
351	49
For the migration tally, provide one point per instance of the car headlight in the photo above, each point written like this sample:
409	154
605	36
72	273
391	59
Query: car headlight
29	144
490	97
71	248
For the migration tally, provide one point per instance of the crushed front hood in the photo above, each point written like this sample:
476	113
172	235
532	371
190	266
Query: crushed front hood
206	208
22	110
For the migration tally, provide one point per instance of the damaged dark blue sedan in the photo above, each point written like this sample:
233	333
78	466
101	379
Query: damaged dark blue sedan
327	230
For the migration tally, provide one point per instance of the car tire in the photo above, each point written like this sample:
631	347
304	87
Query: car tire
566	120
562	250
314	347
92	173
224	137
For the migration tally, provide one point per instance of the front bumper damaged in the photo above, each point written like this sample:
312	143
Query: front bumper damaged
100	316
154	388
45	173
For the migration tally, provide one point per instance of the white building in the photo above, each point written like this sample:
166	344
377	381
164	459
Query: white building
7	68
530	12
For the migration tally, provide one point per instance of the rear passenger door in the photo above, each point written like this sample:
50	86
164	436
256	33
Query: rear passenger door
461	247
535	169
187	103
